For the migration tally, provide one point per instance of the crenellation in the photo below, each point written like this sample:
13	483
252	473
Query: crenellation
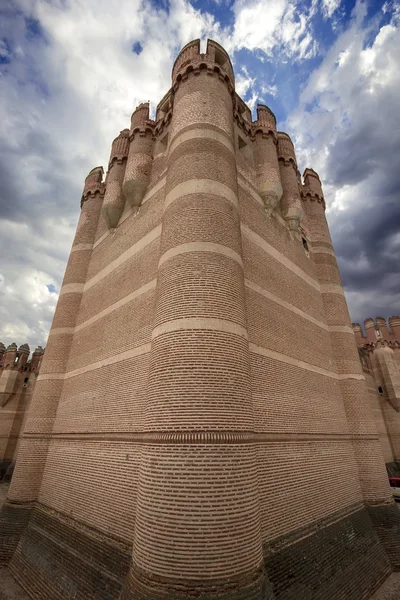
201	362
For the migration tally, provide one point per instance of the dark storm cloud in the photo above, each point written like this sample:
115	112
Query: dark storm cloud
351	135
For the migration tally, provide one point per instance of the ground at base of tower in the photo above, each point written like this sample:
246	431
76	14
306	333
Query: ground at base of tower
10	590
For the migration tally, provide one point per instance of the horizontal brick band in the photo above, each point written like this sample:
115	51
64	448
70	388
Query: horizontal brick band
61	330
323	250
138	351
201	186
78	247
142	243
301	364
201	247
201	324
256	288
72	288
261	243
331	288
331	328
202	437
156	188
202	132
341	329
136	294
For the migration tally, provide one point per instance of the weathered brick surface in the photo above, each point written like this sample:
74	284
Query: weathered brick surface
202	426
341	559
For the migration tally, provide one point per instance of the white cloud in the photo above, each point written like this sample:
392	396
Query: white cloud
276	25
329	7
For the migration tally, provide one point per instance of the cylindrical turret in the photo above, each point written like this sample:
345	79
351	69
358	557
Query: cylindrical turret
36	360
35	442
114	201
382	327
2	353
197	523
292	209
370	330
267	166
140	157
358	334
10	356
390	373
367	448
23	355
394	323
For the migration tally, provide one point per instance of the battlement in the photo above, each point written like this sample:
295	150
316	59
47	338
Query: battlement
312	188
286	148
377	330
215	59
93	184
16	359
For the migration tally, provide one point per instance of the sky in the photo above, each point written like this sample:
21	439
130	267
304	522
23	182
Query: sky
72	72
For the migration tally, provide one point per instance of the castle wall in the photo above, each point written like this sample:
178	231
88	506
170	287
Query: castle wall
379	353
202	425
17	381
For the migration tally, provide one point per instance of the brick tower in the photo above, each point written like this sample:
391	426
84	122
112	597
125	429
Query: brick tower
17	380
200	427
380	357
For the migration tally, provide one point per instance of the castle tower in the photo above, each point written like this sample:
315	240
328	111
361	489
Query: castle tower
34	445
198	426
17	381
201	426
383	351
362	427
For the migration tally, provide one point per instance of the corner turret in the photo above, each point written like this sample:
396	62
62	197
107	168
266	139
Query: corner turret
394	324
312	188
292	209
140	157
114	201
267	166
93	184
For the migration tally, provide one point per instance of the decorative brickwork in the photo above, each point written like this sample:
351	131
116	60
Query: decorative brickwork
201	425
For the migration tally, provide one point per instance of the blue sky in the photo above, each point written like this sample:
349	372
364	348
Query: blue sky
72	71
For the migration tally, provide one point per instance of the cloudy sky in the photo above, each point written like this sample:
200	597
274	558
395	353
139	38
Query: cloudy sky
72	71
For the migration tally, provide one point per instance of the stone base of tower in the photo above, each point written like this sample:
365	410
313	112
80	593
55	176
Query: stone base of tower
386	522
339	558
245	586
58	557
13	520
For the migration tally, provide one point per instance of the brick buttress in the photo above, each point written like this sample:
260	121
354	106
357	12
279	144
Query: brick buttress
197	531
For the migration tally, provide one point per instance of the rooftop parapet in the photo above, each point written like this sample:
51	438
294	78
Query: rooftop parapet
216	59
